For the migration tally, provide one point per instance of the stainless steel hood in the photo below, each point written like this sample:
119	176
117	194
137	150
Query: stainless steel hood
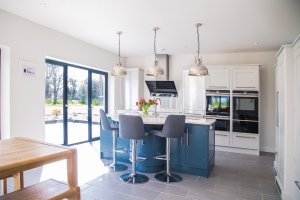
162	88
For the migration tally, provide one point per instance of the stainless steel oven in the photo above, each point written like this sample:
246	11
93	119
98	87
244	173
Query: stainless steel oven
217	103
245	111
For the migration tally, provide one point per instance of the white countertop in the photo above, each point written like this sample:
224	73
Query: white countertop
160	120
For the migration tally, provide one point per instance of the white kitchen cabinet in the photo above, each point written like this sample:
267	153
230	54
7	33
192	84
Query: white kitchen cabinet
245	141
129	89
285	118
245	78
296	153
194	99
218	78
222	138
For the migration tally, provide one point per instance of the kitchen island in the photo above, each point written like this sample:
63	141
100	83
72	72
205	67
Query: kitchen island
194	153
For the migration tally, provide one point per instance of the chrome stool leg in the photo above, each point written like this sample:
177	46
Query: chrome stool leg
168	176
133	177
114	166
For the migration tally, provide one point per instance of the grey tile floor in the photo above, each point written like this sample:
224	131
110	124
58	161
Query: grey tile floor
235	177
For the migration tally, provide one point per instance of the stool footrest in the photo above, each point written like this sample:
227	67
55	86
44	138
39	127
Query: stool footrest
161	157
138	159
121	150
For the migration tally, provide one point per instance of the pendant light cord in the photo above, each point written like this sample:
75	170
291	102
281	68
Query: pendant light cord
198	42
155	43
119	48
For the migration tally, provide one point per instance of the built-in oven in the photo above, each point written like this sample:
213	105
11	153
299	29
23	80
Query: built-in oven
245	111
217	103
222	124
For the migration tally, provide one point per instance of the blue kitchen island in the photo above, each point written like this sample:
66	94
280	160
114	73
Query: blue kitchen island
194	153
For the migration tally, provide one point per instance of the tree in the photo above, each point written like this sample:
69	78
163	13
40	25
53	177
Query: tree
55	80
82	91
72	88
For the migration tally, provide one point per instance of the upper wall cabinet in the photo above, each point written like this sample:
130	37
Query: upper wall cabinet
245	78
218	78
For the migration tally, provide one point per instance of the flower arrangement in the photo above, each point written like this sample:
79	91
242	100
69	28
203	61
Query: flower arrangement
144	105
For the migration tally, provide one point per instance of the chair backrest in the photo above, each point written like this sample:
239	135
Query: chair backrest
131	127
174	126
104	121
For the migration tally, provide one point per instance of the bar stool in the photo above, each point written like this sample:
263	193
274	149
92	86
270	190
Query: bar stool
132	127
173	128
114	166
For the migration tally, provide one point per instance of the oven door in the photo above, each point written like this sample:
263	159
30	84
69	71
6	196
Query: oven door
245	108
245	126
212	105
218	105
222	125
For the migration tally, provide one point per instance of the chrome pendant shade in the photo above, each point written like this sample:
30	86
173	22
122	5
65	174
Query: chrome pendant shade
119	69
155	69
198	69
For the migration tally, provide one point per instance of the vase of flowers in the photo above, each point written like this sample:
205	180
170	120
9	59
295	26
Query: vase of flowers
144	105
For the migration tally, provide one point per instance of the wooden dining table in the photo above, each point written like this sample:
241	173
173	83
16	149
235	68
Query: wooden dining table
20	154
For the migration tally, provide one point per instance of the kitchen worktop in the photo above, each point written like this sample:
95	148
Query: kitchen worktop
161	119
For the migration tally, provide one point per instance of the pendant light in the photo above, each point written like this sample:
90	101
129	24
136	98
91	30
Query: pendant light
155	70
198	69
119	69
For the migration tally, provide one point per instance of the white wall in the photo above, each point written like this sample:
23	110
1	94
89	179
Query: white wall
267	80
32	42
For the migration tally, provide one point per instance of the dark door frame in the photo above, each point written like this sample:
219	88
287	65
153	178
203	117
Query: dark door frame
65	97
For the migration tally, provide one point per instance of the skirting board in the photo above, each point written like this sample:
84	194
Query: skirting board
238	150
283	194
267	149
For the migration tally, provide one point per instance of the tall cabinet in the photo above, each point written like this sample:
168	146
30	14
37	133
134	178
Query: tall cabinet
128	89
193	94
287	95
239	83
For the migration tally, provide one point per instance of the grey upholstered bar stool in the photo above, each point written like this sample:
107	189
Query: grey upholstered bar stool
114	166
132	127
173	128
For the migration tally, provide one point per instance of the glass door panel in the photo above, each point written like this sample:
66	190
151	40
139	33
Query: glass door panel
97	101
54	131
77	118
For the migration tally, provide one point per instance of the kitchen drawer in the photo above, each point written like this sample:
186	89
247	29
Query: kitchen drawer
244	140
222	138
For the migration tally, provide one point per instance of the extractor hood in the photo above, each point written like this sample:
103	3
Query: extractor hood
162	88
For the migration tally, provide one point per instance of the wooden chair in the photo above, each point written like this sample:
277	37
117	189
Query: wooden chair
18	182
49	189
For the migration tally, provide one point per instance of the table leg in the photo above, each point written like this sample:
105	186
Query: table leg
72	168
18	181
4	186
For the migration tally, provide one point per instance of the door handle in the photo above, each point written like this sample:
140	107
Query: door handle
187	136
277	109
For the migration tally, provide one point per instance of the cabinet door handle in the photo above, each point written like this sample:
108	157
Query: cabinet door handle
221	134
181	141
246	87
217	86
240	136
277	109
187	137
298	184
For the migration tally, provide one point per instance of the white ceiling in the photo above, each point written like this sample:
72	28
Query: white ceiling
228	25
